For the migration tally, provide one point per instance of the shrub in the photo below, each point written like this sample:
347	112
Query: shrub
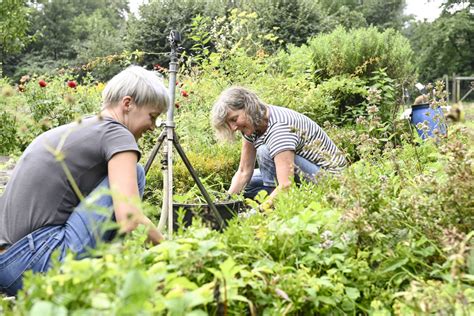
360	52
214	166
8	133
39	104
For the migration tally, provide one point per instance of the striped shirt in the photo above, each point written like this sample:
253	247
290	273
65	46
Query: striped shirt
290	130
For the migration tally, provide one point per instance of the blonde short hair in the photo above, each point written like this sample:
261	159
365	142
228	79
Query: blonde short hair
233	99
143	86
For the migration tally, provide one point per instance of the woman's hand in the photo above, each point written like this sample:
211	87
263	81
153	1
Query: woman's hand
154	235
246	166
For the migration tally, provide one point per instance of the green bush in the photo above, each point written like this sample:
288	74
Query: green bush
32	109
360	52
214	166
8	133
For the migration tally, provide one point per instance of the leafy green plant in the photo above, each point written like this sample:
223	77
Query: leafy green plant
39	104
362	51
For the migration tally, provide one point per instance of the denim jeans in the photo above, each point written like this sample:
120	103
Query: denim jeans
264	178
87	225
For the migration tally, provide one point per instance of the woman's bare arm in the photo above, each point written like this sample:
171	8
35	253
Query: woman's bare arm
246	167
122	172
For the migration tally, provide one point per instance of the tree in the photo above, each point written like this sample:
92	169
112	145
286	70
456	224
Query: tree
69	32
292	21
451	4
384	13
14	26
445	46
159	17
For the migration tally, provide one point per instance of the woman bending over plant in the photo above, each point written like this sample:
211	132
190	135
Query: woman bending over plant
285	143
43	209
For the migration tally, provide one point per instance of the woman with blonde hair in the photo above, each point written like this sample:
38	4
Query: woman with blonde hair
74	179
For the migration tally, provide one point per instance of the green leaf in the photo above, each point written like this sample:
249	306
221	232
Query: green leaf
136	290
228	268
395	265
101	301
353	293
326	300
197	313
470	261
44	308
182	282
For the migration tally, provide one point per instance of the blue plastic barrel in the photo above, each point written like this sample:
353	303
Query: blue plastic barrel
434	119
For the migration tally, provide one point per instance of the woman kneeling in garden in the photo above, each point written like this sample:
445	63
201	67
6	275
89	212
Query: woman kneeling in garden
285	143
43	210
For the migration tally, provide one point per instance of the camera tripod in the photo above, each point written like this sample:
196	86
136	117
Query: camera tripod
169	138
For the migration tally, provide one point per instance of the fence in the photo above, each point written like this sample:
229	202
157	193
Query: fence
462	87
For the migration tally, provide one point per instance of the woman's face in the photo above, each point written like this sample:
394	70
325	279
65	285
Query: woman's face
142	119
238	121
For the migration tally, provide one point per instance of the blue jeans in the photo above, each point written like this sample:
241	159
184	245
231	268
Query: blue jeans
264	178
87	225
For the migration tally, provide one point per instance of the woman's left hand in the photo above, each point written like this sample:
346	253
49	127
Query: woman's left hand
267	205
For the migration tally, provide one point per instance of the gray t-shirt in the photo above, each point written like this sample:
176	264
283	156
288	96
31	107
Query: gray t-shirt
39	194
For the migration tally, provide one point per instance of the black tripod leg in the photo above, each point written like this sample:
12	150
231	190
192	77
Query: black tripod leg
155	150
193	173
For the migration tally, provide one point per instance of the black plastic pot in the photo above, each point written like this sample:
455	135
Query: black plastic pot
227	210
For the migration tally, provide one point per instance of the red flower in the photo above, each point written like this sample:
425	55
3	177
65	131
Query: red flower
42	83
176	105
158	68
71	84
184	93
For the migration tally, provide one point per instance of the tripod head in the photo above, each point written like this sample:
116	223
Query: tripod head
174	38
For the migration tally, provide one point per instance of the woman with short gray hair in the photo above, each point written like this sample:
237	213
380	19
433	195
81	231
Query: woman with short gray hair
285	143
73	181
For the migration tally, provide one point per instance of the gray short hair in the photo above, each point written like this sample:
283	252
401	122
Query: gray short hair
236	98
143	86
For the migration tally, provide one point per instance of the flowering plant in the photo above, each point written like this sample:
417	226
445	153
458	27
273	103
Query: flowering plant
71	84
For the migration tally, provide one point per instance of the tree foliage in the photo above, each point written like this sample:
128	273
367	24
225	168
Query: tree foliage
149	33
69	33
14	25
445	46
384	13
291	21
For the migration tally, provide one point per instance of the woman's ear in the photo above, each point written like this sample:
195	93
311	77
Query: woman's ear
127	103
